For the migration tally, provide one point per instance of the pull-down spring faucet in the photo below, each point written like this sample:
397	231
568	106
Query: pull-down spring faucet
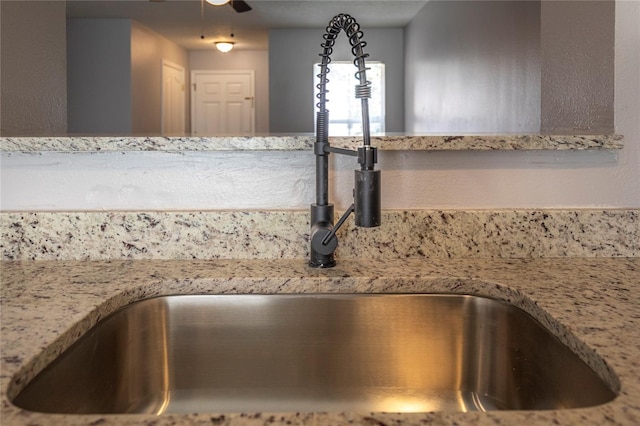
366	205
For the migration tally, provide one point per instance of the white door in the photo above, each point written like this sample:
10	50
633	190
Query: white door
222	103
173	99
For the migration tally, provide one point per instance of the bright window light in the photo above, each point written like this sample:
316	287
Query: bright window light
345	112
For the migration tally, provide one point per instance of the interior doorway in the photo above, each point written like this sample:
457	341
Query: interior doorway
223	102
173	99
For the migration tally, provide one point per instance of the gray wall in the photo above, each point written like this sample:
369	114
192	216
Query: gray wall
577	43
473	67
148	49
292	53
519	66
115	76
99	76
33	68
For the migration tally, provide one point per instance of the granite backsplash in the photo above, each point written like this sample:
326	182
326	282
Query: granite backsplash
283	234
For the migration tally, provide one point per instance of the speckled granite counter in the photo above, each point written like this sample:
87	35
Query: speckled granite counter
590	304
74	143
578	272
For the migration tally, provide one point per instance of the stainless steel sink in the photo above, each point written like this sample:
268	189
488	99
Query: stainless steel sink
256	353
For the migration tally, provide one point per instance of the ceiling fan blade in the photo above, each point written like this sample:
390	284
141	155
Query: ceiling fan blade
240	6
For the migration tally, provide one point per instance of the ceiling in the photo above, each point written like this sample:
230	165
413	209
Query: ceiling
180	20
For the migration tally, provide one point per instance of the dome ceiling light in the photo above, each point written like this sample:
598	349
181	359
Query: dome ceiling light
224	46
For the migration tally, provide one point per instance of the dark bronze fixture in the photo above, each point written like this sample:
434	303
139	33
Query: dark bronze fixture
366	205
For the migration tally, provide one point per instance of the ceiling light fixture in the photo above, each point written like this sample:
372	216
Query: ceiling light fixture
217	2
224	46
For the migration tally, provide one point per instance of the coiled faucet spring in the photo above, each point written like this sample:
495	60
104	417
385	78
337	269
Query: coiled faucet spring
363	89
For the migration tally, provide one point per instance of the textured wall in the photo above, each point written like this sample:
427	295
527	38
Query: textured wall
34	68
577	44
282	180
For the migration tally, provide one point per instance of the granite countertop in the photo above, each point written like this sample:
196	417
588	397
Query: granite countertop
591	304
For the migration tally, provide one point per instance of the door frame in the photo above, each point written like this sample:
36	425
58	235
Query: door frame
178	67
252	79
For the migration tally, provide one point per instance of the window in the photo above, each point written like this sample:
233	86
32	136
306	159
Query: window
345	112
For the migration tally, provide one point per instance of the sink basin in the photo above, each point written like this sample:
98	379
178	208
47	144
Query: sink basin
370	353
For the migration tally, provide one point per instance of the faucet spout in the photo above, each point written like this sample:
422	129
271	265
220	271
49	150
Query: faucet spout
367	203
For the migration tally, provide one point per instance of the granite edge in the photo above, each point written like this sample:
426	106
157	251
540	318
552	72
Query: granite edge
80	144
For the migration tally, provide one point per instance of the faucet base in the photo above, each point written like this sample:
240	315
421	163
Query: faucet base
321	224
329	264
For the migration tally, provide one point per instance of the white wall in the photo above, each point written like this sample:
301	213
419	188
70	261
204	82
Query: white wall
33	68
257	60
627	101
462	180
